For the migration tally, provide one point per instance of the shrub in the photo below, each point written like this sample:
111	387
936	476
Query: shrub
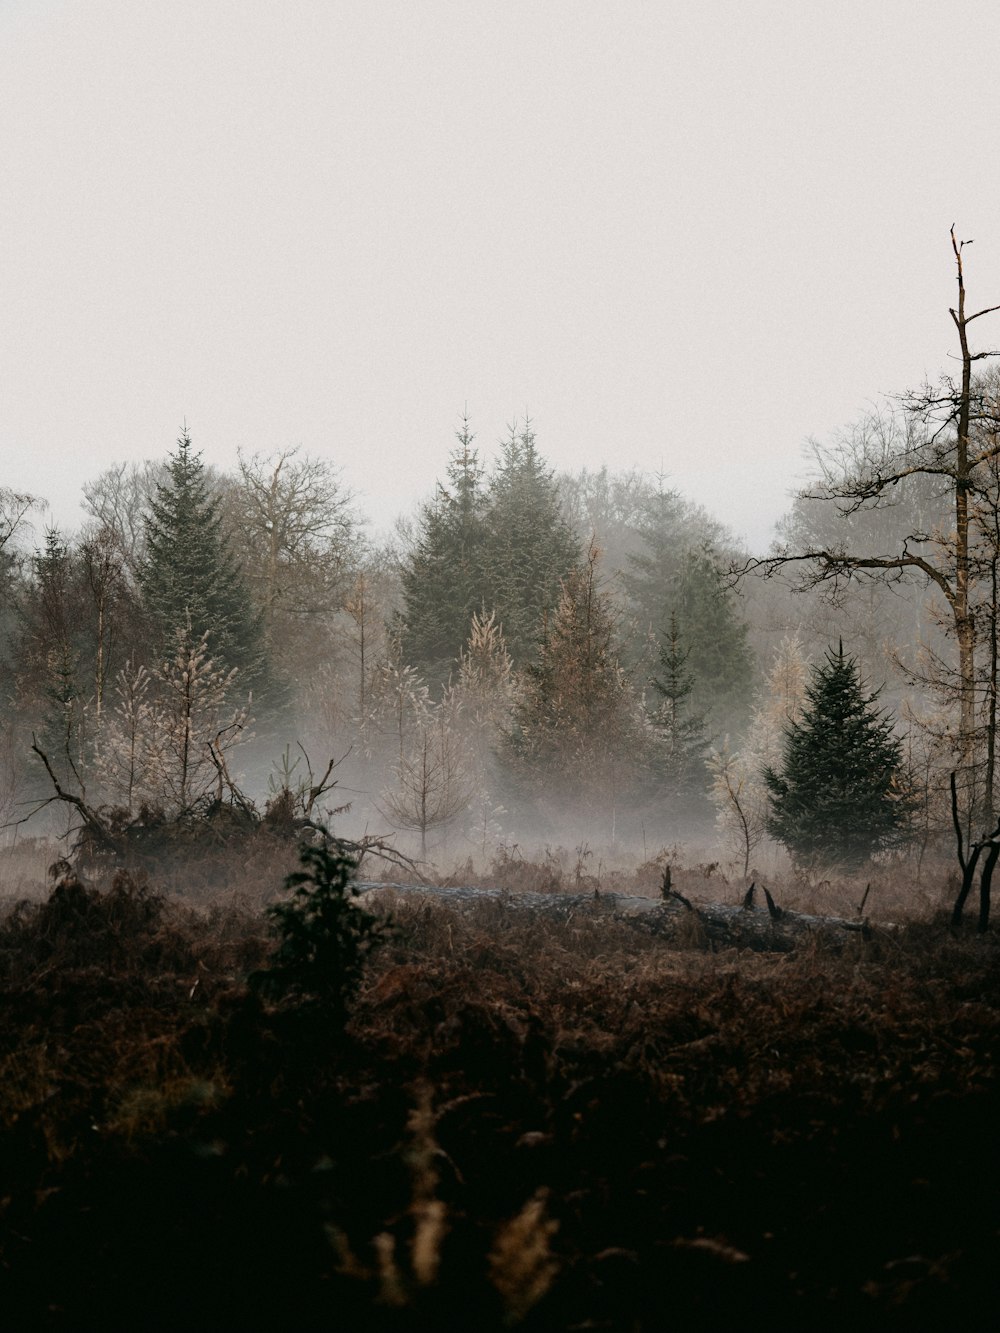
325	937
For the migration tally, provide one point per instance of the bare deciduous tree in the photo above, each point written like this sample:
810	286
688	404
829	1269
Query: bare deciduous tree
940	436
431	780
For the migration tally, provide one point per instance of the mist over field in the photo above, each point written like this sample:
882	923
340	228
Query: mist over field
499	667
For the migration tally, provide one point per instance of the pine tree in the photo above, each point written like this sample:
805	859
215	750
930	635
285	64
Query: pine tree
838	798
679	768
190	578
678	570
49	653
529	547
577	735
443	584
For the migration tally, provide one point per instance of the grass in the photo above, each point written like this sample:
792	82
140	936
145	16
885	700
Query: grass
526	1122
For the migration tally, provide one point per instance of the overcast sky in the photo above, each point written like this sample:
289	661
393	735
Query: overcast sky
683	236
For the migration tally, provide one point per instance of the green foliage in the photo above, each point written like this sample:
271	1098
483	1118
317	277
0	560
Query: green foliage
679	572
325	938
443	582
838	797
530	547
190	577
679	768
503	550
51	644
577	729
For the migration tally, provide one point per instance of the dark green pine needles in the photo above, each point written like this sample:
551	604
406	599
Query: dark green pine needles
191	583
839	799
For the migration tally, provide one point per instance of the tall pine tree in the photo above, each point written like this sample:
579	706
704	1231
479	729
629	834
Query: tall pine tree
189	576
529	547
839	797
443	584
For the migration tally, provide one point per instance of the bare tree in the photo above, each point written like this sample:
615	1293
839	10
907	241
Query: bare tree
939	434
193	721
292	521
118	501
14	509
431	784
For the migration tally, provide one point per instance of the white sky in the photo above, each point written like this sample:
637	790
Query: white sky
682	235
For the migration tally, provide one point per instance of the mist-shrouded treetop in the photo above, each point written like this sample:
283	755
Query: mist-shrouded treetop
443	583
839	797
499	549
577	739
530	547
679	572
190	579
292	528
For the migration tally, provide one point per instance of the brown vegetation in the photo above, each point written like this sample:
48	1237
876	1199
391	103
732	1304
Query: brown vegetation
553	1124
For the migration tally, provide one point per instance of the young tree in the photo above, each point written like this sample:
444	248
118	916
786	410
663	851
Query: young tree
111	603
678	760
193	725
741	817
431	783
126	742
839	797
483	700
577	738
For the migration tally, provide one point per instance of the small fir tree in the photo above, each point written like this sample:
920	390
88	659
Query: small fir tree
838	797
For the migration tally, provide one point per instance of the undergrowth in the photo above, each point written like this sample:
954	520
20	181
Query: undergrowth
548	1123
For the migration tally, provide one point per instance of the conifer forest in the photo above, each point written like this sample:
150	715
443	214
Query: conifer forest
546	914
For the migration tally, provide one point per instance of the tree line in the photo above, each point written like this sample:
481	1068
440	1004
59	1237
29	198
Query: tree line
528	652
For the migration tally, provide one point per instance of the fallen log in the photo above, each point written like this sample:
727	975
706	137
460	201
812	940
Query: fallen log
769	929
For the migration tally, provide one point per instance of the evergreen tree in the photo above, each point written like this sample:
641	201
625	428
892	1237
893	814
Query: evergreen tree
503	550
837	798
49	653
189	576
529	547
678	570
679	764
577	737
443	584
